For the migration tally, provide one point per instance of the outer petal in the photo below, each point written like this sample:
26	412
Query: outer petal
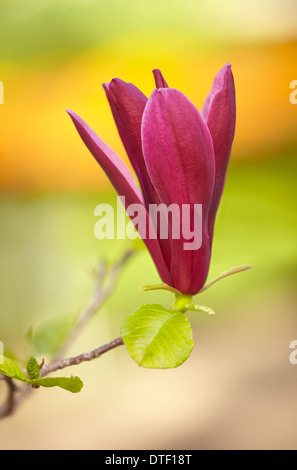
113	166
179	156
159	79
122	180
219	113
127	104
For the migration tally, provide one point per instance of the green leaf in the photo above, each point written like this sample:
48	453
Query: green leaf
72	384
10	369
33	368
13	357
157	338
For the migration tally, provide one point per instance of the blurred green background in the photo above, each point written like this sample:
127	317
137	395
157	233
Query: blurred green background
238	389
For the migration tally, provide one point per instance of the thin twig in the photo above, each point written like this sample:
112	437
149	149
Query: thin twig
7	408
88	356
14	401
105	283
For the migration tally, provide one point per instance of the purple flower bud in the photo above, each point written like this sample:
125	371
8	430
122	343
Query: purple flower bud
179	156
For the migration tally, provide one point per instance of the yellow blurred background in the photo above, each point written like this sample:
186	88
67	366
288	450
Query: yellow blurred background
238	389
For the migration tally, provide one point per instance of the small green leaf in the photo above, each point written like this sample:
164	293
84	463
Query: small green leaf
10	369
157	338
33	368
72	384
13	357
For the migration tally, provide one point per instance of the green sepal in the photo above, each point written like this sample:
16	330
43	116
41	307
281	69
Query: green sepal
200	308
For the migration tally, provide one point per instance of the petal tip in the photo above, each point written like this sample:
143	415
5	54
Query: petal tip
71	113
227	70
75	117
159	79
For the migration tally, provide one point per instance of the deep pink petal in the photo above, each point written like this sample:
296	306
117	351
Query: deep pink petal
178	152
127	104
159	79
219	113
113	166
123	182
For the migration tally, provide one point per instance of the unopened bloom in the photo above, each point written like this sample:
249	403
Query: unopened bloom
179	156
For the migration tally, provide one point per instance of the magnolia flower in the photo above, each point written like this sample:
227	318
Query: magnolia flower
179	156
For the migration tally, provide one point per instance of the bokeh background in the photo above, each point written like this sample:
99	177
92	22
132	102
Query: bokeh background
238	389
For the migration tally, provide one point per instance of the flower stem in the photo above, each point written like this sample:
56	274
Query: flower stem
181	301
88	356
